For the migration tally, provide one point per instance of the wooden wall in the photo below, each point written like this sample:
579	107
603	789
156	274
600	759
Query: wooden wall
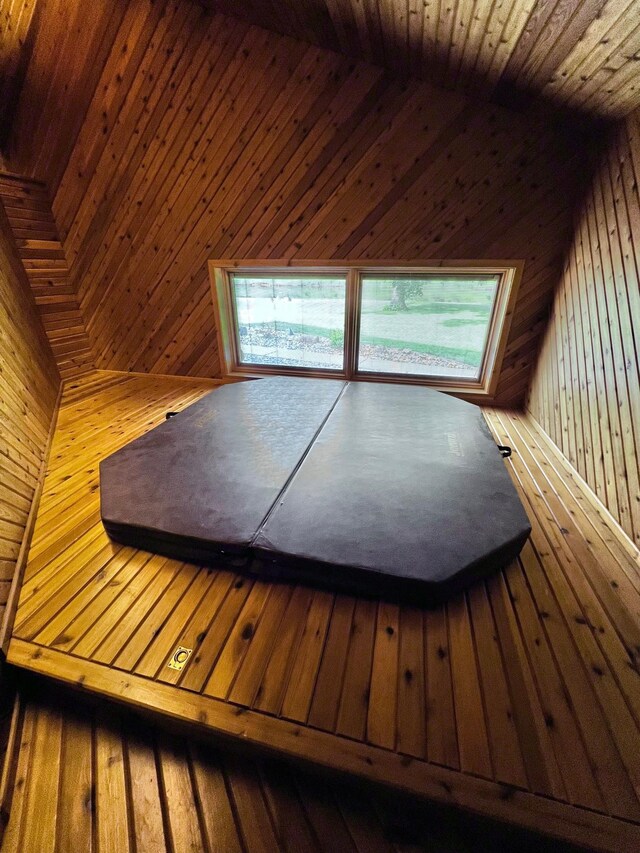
203	137
17	29
586	388
29	385
580	54
38	245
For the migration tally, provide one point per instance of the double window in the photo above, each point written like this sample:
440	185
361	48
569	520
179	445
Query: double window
442	326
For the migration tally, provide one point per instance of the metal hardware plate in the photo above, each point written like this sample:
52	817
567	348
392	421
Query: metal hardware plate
179	658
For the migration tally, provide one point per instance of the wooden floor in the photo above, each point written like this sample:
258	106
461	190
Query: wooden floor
519	699
116	785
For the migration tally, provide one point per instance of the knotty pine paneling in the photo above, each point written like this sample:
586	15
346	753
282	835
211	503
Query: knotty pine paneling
581	55
16	44
38	245
206	137
134	786
69	41
585	392
29	385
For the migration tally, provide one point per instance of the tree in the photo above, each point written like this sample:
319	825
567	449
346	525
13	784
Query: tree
401	291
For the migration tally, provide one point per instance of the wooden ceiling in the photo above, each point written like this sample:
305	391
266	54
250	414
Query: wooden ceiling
30	220
16	43
250	144
167	135
579	54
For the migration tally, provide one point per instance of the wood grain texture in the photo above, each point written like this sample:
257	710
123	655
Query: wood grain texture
203	137
29	385
17	26
67	46
518	672
578	54
178	794
28	209
585	392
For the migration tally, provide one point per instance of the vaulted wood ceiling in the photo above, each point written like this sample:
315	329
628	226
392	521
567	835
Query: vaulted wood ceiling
16	44
29	217
187	136
166	135
580	54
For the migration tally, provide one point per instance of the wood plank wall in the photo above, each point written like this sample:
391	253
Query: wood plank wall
580	54
118	784
201	136
29	381
36	238
585	392
17	25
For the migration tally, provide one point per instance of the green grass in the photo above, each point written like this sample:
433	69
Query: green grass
293	289
299	329
456	323
481	310
377	291
469	357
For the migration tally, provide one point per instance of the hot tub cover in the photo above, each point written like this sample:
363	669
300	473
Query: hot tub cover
375	488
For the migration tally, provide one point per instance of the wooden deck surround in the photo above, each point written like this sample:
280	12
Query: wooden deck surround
519	699
116	784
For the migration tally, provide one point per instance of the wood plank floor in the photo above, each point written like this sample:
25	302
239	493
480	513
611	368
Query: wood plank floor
519	699
116	784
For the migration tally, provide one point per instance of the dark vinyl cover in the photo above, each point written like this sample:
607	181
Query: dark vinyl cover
370	487
401	481
212	473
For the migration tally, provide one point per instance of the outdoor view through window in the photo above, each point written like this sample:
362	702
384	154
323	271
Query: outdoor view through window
424	324
291	321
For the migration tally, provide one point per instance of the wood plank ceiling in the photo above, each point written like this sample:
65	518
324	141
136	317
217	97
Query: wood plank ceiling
16	44
246	143
580	54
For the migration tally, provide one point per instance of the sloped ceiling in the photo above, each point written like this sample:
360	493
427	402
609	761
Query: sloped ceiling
17	29
168	135
579	54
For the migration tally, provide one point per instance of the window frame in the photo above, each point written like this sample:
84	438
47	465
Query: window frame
510	273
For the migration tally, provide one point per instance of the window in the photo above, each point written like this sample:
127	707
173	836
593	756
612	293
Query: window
289	320
441	326
425	325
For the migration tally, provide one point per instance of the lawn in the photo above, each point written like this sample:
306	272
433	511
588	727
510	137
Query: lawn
454	331
439	322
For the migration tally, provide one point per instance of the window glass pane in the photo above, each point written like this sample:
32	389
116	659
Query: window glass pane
290	321
427	325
